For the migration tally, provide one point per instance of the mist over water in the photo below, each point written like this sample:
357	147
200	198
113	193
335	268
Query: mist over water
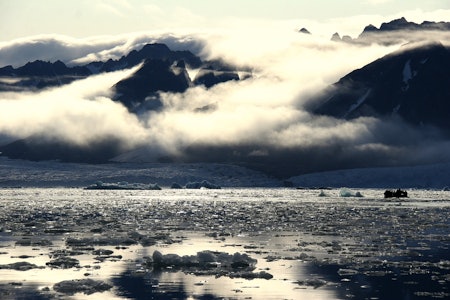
260	120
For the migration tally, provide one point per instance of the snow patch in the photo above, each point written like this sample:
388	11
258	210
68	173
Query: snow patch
407	72
358	103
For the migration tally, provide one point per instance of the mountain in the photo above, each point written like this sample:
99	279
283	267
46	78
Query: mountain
304	30
162	70
40	74
396	31
140	91
155	75
154	51
412	83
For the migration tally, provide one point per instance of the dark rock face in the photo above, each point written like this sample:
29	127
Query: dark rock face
150	51
43	68
154	76
304	30
413	84
209	78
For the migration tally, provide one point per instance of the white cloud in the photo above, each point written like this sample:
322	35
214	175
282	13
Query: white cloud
266	110
80	113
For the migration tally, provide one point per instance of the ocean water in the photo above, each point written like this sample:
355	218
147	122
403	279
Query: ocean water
258	243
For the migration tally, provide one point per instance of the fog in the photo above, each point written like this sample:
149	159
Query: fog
260	120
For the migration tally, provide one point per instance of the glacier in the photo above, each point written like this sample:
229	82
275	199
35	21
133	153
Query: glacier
20	173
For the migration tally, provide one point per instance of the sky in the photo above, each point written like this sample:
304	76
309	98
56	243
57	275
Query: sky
258	116
83	18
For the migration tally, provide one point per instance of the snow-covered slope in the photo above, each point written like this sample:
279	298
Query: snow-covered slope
15	173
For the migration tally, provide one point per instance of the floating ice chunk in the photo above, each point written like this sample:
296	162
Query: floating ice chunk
347	272
209	263
348	193
123	185
20	266
63	262
35	241
323	194
86	286
314	282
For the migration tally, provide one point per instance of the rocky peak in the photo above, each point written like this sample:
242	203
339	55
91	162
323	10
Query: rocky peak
155	75
304	30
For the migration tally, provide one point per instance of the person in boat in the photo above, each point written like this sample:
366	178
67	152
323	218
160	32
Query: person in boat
395	194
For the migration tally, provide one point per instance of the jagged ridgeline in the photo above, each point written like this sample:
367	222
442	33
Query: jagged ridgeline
162	70
395	32
411	83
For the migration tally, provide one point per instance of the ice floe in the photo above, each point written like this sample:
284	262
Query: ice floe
86	286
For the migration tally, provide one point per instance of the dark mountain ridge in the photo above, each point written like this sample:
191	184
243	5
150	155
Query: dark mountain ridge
39	74
412	83
153	76
149	51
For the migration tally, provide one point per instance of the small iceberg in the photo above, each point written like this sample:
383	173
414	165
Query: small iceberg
348	193
323	194
123	185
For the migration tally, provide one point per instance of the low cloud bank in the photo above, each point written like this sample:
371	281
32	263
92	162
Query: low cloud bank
260	121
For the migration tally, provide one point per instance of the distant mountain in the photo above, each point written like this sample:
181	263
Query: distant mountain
163	70
412	83
304	30
140	91
40	74
396	31
154	51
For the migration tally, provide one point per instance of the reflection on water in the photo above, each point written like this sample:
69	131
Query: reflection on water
314	247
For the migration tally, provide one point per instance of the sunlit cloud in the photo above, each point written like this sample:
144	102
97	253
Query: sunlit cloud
265	111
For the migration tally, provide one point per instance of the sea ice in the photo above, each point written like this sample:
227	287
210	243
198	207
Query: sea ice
348	193
209	263
123	185
86	286
20	266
